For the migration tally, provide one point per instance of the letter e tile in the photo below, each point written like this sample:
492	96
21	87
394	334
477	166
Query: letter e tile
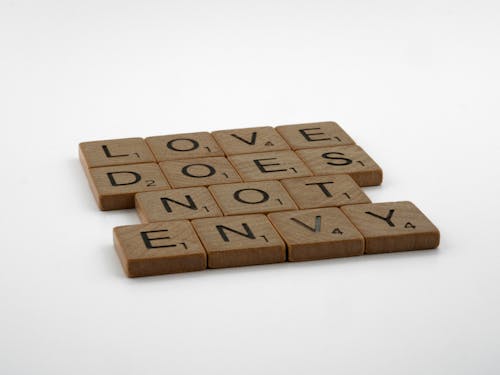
269	166
159	248
316	134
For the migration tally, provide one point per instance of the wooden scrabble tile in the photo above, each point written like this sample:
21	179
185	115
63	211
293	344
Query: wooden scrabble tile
269	166
317	234
250	140
252	197
114	187
115	152
159	248
324	191
351	160
176	204
184	146
244	240
315	134
395	226
199	172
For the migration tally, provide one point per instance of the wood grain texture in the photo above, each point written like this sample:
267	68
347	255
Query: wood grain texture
324	191
252	197
176	204
114	187
159	248
315	134
250	140
274	165
319	233
393	226
199	172
305	177
351	160
114	152
244	240
184	146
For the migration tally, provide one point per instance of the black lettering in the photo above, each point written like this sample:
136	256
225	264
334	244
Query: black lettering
337	231
108	153
410	225
111	177
194	144
248	232
339	160
317	224
190	203
262	166
322	187
264	196
147	240
252	140
210	170
308	138
387	219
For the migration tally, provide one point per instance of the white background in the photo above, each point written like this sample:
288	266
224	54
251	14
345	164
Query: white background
416	83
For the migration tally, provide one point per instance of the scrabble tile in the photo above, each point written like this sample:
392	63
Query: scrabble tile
269	166
315	134
395	226
114	187
115	152
252	197
199	172
184	146
324	191
244	240
250	140
319	233
176	204
351	160
159	248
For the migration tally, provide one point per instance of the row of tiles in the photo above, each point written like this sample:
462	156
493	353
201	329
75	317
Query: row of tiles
242	240
248	198
219	143
114	186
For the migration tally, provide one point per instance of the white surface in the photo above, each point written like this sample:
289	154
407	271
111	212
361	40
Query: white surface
415	83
